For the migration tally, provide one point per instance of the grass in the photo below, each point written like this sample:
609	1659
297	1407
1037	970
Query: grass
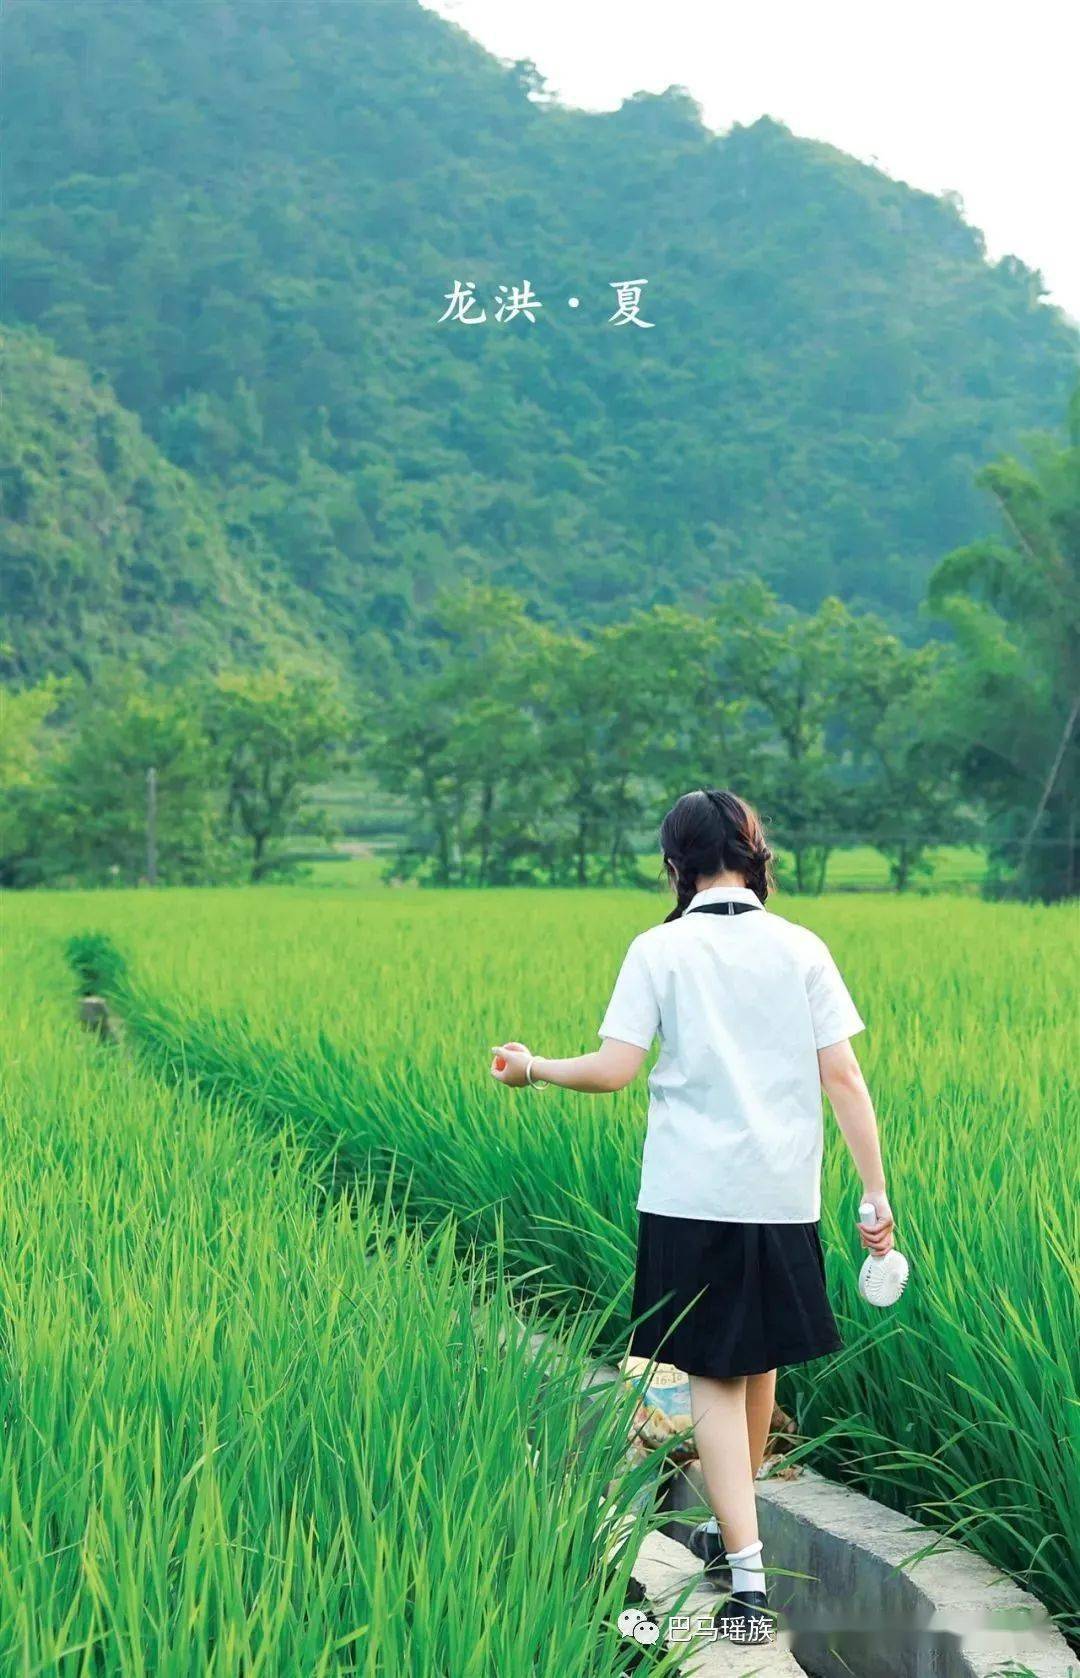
365	1017
956	868
952	868
250	1427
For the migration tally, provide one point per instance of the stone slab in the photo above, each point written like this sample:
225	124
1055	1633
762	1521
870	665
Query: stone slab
671	1579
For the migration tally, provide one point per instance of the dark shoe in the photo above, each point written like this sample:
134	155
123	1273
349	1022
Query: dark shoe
708	1548
746	1619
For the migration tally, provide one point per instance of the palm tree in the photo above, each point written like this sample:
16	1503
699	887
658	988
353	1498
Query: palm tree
1014	691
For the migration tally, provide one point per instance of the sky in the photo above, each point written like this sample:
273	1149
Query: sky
973	98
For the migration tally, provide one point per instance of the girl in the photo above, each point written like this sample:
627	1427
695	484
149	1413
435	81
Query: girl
753	1020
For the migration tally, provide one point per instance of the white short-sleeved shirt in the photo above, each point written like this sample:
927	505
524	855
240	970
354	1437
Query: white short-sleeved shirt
742	1003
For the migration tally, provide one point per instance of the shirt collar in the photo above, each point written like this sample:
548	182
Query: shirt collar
724	894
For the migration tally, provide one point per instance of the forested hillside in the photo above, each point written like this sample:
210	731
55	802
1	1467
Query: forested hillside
106	545
244	217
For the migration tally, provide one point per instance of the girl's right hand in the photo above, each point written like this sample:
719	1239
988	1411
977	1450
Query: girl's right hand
509	1063
878	1240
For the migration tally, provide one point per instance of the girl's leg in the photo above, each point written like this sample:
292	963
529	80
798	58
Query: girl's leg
760	1398
719	1410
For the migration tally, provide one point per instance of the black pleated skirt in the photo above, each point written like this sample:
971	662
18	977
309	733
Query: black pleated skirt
750	1297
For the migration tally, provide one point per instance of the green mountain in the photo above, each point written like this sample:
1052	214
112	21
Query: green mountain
107	550
248	216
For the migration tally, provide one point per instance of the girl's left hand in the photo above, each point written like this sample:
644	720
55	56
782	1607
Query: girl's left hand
509	1061
878	1240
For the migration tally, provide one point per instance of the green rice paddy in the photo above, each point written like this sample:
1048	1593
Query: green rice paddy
253	1427
302	1113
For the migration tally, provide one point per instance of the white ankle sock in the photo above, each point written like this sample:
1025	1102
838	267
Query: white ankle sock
747	1573
712	1524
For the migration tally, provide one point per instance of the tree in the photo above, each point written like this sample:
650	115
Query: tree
278	733
612	711
25	750
461	742
793	669
904	794
1012	710
534	755
94	812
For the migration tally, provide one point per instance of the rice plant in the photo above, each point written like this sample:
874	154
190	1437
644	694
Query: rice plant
364	1018
251	1427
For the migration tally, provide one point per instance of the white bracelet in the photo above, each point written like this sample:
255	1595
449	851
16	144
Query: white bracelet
534	1083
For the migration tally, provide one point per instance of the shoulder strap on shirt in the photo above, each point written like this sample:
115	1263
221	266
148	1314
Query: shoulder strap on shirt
728	908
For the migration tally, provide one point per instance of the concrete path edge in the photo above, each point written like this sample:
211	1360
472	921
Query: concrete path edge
879	1612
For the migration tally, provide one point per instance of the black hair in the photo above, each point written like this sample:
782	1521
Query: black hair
709	832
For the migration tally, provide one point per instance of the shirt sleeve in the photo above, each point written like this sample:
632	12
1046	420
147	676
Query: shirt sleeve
835	1016
633	1014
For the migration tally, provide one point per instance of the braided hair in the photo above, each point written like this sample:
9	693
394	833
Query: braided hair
707	833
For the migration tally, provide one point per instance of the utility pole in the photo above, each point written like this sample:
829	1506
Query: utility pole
151	827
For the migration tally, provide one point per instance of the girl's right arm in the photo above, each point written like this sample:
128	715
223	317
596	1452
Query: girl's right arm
845	1086
610	1067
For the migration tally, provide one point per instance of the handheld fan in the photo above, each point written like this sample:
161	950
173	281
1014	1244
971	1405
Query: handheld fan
881	1280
